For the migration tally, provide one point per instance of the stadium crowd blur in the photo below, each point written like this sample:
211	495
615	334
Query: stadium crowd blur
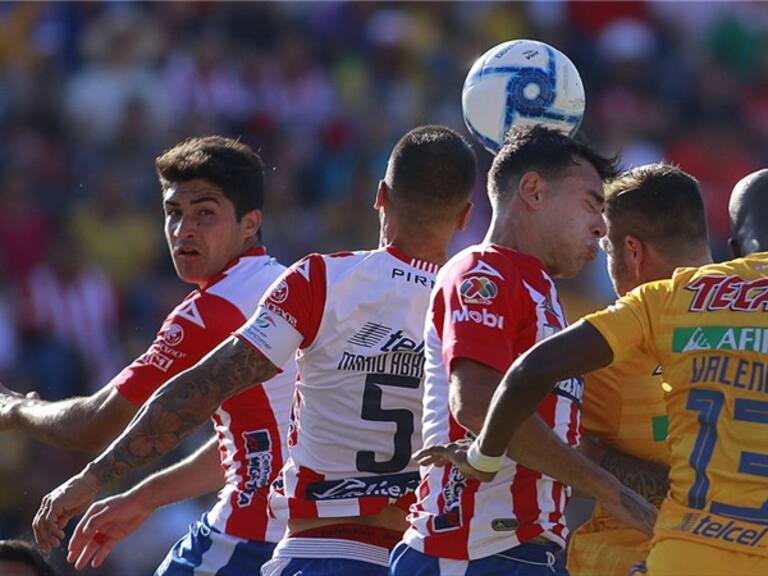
91	93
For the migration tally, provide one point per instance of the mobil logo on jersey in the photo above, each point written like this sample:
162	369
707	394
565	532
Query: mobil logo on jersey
483	317
257	447
478	290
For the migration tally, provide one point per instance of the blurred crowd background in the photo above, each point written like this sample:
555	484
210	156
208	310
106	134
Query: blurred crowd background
91	93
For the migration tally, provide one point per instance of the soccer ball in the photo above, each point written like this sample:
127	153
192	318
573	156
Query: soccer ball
521	83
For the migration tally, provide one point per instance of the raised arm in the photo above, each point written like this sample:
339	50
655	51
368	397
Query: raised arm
169	416
110	520
86	423
576	350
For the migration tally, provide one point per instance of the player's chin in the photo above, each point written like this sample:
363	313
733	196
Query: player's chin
190	273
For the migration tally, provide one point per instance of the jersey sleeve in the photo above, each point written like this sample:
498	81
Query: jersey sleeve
288	316
192	330
629	325
480	312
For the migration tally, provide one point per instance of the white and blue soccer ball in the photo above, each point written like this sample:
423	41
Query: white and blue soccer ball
521	83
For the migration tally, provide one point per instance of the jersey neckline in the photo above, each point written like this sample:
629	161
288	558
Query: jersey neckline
526	258
415	262
250	253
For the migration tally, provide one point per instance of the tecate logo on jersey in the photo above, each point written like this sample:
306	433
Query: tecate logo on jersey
478	317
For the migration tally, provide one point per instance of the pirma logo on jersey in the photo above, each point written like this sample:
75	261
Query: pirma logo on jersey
280	293
173	335
478	290
741	338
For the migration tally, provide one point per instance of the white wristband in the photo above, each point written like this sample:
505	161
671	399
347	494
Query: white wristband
481	462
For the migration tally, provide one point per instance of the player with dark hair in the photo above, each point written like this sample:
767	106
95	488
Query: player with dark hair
491	303
707	327
656	223
356	320
213	191
20	558
748	212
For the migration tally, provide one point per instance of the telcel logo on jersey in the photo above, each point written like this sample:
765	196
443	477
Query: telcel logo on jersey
723	529
478	290
478	317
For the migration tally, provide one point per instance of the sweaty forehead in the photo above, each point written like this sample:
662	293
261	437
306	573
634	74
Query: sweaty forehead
196	190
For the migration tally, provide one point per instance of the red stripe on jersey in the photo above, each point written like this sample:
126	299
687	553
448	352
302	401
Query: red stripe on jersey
299	507
370	506
454	543
252	414
525	496
574	425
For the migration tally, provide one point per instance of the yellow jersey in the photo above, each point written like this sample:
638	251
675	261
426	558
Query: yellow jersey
624	406
708	329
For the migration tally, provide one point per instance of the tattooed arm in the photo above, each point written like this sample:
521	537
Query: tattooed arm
169	416
646	478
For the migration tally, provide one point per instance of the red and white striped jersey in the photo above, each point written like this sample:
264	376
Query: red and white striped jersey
357	320
252	426
490	305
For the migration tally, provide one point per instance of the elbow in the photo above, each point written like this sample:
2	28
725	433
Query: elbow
467	417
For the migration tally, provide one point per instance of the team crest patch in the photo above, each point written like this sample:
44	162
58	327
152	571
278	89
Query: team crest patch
173	335
478	290
280	293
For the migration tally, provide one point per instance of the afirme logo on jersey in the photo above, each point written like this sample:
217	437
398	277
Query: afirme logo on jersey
483	317
740	338
734	531
258	452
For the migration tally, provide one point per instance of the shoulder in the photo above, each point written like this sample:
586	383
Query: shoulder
244	284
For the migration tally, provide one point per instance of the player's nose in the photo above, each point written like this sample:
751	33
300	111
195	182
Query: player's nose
599	227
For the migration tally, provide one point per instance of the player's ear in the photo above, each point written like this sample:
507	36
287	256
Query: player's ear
634	252
382	195
530	188
251	223
464	216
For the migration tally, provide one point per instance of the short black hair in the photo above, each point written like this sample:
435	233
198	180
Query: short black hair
748	214
432	170
25	553
659	204
544	150
227	163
